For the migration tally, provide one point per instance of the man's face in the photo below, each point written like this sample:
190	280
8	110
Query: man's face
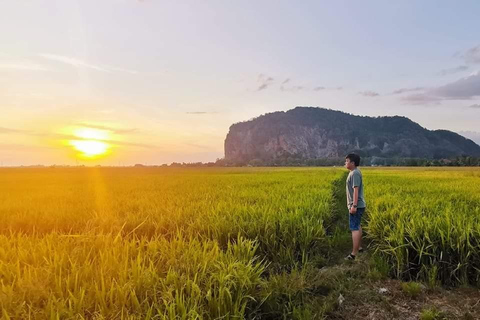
348	164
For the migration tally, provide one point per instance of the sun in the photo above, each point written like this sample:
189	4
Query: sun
92	143
90	148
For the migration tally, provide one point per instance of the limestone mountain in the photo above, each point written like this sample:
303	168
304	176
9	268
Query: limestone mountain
313	133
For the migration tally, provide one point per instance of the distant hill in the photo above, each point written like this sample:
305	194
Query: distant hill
313	133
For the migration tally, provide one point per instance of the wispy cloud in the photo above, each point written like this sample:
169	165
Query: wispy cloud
201	112
265	82
465	88
4	130
78	63
403	90
448	71
23	66
293	88
421	98
286	85
321	88
110	141
462	89
369	93
472	55
108	128
23	147
60	136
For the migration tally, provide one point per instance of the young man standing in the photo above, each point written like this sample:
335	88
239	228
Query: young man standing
355	202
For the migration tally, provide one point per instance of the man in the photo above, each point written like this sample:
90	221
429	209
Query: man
355	202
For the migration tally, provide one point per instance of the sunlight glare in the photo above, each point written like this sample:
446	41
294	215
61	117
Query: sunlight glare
90	148
92	142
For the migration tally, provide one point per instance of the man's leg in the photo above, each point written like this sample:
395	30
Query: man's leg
357	239
361	234
356	229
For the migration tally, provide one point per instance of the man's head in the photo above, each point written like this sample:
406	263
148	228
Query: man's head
352	161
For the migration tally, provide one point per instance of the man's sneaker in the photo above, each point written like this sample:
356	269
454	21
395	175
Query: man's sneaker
350	257
360	250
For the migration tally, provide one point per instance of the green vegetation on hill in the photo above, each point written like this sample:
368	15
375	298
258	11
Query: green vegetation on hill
307	134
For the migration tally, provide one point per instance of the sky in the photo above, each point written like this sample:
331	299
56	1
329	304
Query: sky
117	82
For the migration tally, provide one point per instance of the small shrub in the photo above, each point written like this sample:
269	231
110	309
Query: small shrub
431	274
431	314
379	268
375	275
412	289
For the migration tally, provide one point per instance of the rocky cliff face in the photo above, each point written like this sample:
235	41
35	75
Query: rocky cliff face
312	133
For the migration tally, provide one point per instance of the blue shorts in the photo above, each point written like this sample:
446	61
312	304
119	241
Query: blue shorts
355	219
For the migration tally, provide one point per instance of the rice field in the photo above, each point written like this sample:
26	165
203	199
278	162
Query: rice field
427	222
215	243
154	243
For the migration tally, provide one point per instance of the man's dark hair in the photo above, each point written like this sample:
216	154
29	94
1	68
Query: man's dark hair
353	158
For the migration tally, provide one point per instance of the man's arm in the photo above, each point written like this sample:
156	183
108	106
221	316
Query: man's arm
355	196
353	209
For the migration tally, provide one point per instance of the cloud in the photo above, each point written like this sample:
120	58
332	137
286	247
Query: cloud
70	137
369	93
403	90
320	88
23	147
287	85
110	141
9	130
463	89
111	129
78	63
421	98
475	106
24	67
293	89
265	82
472	55
445	72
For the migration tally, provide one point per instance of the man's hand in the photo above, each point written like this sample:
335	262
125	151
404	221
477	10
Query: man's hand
353	210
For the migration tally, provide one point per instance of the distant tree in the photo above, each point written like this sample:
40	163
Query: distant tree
256	162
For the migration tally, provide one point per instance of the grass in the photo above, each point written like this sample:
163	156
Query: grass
143	243
426	222
412	289
431	314
224	243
